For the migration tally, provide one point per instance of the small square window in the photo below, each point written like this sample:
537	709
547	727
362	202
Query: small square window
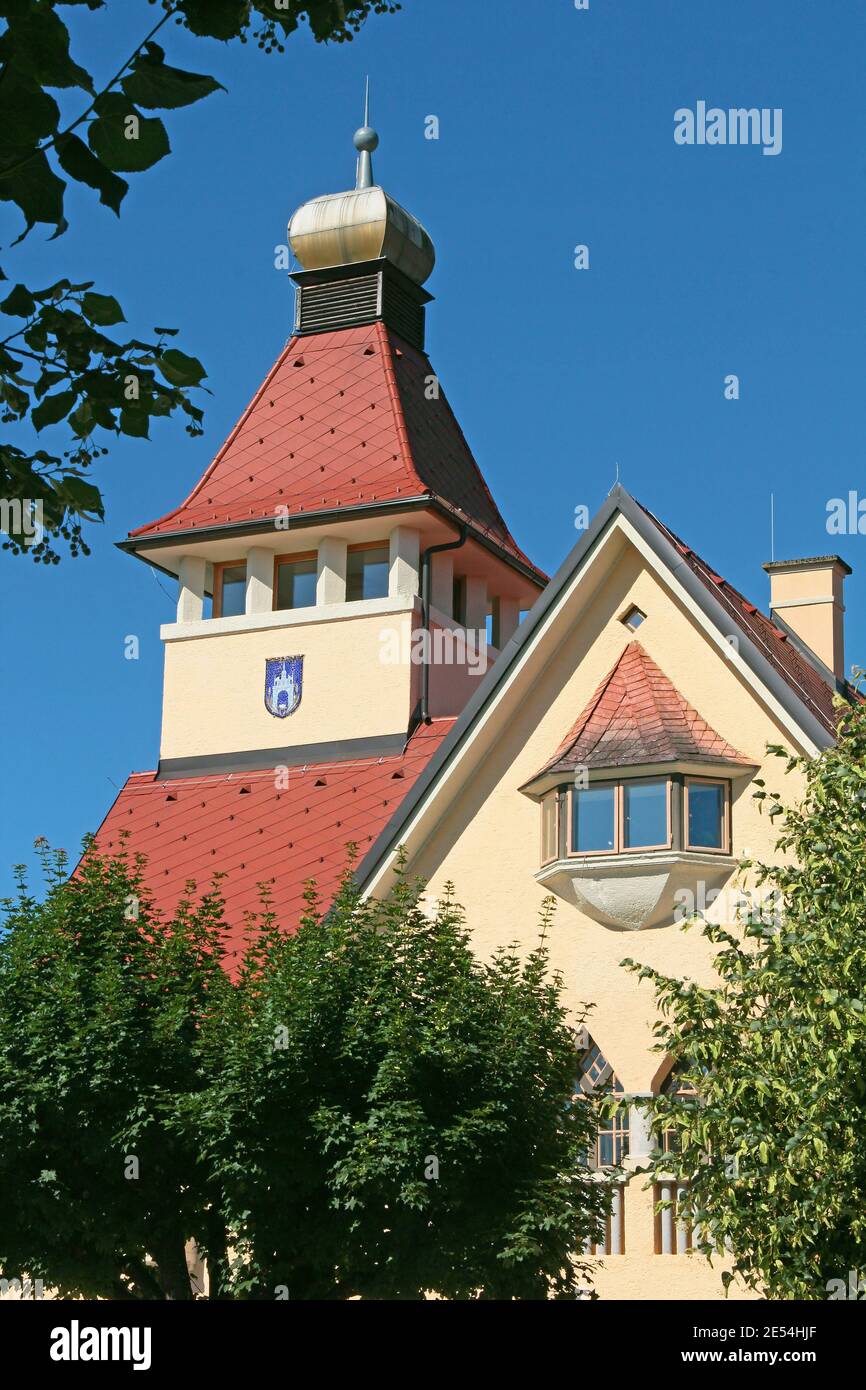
367	573
633	617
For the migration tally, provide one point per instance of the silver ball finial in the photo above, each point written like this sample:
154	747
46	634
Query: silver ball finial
366	139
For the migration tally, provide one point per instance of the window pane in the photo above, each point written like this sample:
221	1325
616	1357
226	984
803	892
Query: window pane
592	819
234	587
645	810
367	573
706	814
296	584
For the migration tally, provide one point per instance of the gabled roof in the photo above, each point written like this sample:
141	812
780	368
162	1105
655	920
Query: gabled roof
343	419
806	675
805	697
636	716
241	825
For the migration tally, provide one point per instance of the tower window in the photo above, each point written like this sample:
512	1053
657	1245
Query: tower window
229	589
367	569
296	582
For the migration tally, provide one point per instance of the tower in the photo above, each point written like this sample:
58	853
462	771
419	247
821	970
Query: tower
345	527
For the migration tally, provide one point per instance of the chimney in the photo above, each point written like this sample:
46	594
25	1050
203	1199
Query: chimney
806	598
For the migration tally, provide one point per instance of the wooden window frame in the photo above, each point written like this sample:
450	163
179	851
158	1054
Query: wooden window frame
640	849
302	555
619	845
553	795
593	853
724	783
219	568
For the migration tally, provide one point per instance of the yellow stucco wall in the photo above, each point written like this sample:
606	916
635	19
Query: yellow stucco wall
213	696
487	844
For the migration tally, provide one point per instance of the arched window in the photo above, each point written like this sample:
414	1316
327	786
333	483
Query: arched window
596	1077
678	1087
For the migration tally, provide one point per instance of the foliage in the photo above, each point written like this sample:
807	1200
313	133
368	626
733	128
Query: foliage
772	1146
364	1108
100	1007
113	133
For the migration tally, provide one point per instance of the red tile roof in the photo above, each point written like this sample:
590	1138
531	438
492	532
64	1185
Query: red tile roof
775	644
342	419
241	825
636	716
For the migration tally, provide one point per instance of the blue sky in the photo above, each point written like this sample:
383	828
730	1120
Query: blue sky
556	129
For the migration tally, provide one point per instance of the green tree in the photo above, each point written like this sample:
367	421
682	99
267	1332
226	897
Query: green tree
100	1007
391	1117
771	1145
57	365
362	1107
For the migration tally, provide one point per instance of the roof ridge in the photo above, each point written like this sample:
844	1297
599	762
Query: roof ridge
387	348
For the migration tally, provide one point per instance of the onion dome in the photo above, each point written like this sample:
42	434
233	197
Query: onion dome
363	224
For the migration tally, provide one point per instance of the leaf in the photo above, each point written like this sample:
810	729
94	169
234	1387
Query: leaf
83	496
216	19
152	83
81	164
27	116
181	370
53	408
20	303
37	42
134	423
124	139
38	192
102	309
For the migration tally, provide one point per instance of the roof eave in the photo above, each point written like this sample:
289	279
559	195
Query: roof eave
134	543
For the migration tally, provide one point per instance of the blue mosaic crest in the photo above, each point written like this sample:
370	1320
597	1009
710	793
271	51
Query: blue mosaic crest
284	679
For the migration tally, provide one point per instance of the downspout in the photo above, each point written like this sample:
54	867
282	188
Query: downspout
424	713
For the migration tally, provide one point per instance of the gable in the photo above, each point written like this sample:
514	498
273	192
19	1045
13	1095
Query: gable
622	540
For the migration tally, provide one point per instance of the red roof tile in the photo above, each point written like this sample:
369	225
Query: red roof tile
783	655
636	716
241	825
342	419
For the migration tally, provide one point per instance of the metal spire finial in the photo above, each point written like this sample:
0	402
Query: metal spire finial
365	141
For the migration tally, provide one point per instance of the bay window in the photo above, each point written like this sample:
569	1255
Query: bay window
611	817
637	815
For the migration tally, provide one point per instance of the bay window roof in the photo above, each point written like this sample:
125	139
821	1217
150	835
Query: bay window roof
637	719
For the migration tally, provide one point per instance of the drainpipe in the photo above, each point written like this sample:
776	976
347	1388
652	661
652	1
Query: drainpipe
424	716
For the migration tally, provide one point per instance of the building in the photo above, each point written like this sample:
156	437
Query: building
349	664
